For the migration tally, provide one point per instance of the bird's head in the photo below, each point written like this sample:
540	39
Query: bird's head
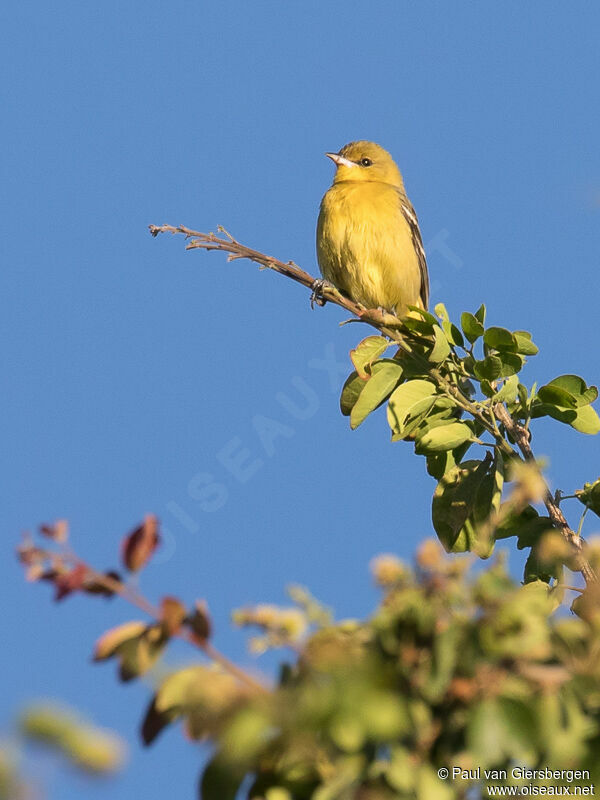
365	161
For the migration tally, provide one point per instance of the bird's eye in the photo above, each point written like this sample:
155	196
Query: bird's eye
365	162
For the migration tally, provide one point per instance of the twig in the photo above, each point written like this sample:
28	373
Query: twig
131	596
209	241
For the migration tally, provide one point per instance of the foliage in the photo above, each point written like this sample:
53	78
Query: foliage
76	741
460	673
450	389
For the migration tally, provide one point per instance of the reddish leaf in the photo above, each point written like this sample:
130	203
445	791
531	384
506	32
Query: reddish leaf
200	622
58	532
172	614
138	546
29	554
68	582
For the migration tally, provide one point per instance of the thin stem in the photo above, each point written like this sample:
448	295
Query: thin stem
580	526
136	599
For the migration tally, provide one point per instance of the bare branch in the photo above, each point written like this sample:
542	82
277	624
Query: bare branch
209	241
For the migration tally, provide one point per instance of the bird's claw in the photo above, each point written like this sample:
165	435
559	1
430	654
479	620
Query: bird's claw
317	292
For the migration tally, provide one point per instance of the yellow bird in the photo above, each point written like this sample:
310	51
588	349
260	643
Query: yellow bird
368	239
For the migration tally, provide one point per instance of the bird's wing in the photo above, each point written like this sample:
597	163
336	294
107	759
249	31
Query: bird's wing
410	216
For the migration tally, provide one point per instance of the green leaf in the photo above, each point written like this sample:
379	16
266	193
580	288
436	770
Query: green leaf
195	686
350	392
417	325
500	729
137	656
584	419
540	569
453	334
462	501
430	786
425	315
220	780
511	363
442	312
557	396
341	781
508	393
430	415
576	387
444	437
523	395
472	327
487	388
524	344
480	314
488	369
409	400
487	733
500	339
368	351
537	570
528	527
384	378
110	642
441	347
438	464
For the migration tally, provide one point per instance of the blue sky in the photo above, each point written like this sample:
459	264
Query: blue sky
132	367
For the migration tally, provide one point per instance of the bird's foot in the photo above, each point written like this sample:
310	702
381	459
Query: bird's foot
317	292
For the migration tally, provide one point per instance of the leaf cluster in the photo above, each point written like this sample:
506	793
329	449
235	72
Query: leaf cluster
446	389
452	669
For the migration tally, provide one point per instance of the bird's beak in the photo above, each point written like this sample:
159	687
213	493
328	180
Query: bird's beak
339	160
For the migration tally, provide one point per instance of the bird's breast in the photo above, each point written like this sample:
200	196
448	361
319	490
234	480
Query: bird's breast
364	245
